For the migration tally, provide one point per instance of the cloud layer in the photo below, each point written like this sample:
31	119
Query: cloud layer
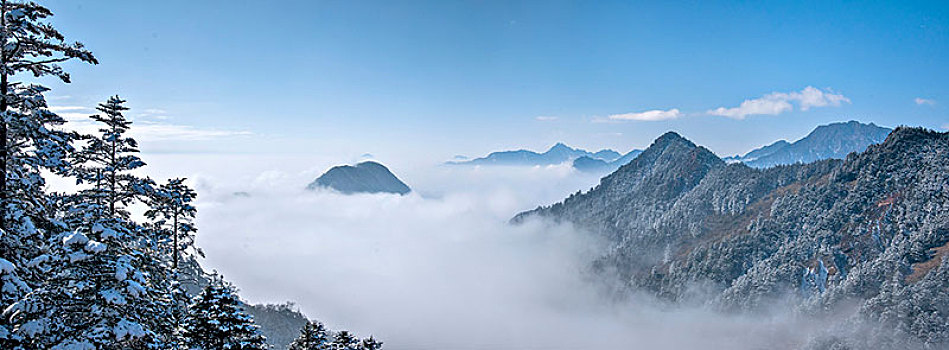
780	102
439	268
651	115
149	125
924	101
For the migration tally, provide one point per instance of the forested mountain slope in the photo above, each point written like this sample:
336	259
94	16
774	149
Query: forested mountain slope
871	229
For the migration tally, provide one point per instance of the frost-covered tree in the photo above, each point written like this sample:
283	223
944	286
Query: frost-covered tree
171	209
28	143
106	160
344	340
313	336
370	344
217	321
110	287
29	45
34	145
100	296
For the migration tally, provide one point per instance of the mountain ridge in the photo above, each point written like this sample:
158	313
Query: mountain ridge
687	227
556	154
829	141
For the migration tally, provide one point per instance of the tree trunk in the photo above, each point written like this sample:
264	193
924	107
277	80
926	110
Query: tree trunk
174	250
112	195
4	86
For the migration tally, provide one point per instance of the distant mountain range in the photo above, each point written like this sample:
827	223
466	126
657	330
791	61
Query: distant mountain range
365	177
557	154
594	165
832	141
865	238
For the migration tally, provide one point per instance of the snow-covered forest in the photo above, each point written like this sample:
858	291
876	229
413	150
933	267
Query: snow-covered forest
91	269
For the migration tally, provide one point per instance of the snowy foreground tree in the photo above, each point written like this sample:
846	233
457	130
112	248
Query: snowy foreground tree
314	336
110	287
29	144
30	45
172	211
107	160
216	320
78	270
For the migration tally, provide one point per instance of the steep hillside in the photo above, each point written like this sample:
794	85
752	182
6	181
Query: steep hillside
280	323
871	229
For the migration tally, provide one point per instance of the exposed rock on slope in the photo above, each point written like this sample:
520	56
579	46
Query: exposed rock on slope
872	228
365	177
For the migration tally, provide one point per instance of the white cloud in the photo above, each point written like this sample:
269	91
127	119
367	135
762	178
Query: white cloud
77	118
651	115
545	118
945	126
156	131
66	109
154	113
924	101
780	102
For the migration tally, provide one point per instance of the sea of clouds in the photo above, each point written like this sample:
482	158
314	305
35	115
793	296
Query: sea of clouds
439	268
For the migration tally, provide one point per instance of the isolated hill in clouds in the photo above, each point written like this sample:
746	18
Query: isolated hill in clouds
557	154
365	177
871	229
832	141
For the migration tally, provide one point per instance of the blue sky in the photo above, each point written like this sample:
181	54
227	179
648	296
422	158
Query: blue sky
429	80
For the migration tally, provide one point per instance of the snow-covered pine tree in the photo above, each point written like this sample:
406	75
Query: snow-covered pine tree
111	287
99	297
172	213
217	321
30	45
106	160
34	145
370	344
28	143
313	336
169	206
344	340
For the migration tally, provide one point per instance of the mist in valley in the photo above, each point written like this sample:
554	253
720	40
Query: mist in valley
441	268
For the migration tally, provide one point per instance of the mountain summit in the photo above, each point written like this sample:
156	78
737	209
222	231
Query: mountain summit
832	141
365	177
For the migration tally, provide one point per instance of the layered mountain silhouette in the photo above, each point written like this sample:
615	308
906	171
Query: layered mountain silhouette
365	177
594	165
835	141
866	236
557	154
